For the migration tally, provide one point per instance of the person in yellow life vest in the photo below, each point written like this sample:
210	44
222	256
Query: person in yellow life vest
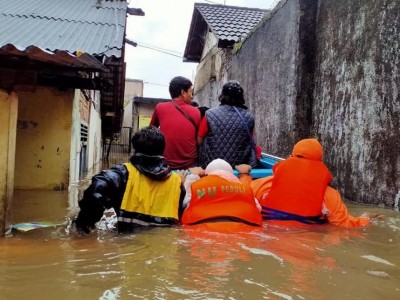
219	196
299	191
143	191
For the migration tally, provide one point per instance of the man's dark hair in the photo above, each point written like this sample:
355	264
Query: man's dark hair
203	110
232	94
178	84
194	104
149	141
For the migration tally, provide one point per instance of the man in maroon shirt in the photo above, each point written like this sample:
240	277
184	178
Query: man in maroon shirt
178	121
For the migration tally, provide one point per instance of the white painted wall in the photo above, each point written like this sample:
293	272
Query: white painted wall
75	140
94	138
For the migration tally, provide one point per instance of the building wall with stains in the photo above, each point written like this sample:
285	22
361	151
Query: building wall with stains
330	70
78	146
357	96
43	139
210	72
8	120
133	88
268	66
95	141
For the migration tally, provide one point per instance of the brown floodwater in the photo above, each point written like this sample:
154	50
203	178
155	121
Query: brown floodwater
319	262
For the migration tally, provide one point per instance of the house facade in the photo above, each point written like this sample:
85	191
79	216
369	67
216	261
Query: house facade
61	93
214	31
143	108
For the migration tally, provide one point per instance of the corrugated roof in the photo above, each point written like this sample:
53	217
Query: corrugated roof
93	26
59	58
229	24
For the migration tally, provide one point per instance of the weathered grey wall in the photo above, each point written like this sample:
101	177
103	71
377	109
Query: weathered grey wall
357	100
210	76
273	69
330	70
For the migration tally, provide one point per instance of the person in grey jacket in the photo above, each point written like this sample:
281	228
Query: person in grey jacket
226	131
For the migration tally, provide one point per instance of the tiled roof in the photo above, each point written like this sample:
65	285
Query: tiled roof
229	24
96	27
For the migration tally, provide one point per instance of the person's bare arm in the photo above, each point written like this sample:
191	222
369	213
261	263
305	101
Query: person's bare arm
244	173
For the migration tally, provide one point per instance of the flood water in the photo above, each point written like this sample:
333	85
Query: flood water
319	262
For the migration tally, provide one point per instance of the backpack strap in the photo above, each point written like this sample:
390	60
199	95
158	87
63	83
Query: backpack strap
187	116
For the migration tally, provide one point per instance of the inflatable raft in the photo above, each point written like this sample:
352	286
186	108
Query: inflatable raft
265	166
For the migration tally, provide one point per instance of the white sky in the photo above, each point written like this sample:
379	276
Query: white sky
165	25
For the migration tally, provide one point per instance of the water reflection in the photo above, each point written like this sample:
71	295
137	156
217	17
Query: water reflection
177	263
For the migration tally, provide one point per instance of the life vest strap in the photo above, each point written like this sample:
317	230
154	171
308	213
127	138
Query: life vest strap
274	214
224	219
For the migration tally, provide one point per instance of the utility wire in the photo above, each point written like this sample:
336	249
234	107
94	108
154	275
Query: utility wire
152	83
165	52
212	2
159	48
155	48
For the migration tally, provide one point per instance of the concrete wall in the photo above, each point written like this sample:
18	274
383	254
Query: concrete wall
356	97
8	129
144	109
89	116
75	137
43	139
210	72
330	70
133	88
270	69
95	144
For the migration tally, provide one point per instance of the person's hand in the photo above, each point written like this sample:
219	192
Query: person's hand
371	215
243	169
197	171
82	228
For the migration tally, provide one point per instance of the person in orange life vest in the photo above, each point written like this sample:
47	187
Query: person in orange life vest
298	185
220	196
178	121
299	191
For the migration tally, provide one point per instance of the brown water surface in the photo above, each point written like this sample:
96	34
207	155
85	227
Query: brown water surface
320	262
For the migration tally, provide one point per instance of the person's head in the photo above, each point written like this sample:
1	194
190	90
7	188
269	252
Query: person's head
222	169
149	141
308	148
218	164
232	94
194	104
181	87
203	110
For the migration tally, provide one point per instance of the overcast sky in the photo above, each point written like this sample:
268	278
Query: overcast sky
165	26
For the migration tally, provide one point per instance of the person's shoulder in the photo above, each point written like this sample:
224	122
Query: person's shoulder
175	177
213	110
248	113
120	168
244	110
163	104
192	109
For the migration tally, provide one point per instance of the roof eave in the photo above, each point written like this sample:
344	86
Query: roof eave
194	45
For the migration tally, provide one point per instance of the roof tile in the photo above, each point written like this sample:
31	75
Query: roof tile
228	23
